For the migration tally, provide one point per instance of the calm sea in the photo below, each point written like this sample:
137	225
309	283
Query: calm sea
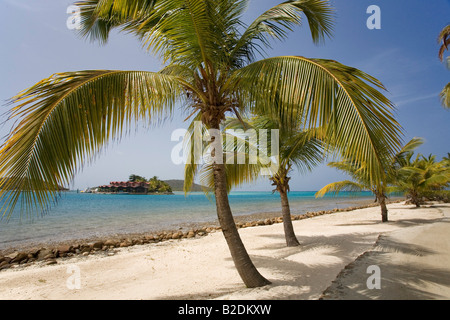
82	216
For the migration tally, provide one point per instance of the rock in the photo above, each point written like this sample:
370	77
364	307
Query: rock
2	259
98	245
43	253
124	244
267	222
168	236
85	248
4	265
20	256
110	243
62	250
49	257
51	261
176	236
190	234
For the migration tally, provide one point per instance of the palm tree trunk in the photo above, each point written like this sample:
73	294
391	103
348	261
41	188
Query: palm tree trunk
384	210
245	267
291	239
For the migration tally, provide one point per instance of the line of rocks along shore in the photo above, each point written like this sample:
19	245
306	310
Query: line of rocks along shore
108	247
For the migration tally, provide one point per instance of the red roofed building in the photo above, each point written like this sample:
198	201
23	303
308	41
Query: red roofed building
128	186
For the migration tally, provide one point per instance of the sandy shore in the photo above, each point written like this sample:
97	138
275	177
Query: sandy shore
201	268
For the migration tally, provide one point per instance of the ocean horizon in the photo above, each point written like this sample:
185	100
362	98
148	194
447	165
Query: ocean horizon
89	215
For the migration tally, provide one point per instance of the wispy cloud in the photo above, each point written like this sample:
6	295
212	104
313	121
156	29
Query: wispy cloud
417	99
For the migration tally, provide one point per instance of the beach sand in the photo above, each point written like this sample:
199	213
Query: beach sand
201	268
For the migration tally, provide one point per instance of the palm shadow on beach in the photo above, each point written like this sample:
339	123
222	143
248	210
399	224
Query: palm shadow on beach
403	282
310	270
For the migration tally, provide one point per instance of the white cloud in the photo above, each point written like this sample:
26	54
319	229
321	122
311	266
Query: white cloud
418	98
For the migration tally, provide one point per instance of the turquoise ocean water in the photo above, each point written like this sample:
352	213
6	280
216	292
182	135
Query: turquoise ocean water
82	216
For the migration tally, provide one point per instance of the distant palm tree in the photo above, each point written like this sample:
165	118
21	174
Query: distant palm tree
300	149
444	39
361	183
420	175
211	67
136	178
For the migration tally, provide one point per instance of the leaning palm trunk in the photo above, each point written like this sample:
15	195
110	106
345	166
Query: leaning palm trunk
250	276
291	239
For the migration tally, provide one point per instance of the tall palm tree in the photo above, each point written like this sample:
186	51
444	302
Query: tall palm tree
211	67
444	40
360	183
297	148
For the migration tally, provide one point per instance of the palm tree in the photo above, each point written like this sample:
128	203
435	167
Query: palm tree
444	39
211	67
297	148
415	177
360	183
136	178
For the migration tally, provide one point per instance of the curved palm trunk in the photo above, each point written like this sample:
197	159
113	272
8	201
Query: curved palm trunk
248	272
291	239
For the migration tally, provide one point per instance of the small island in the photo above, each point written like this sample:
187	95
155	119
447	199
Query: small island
135	185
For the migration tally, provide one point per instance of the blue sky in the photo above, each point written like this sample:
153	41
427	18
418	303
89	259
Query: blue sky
35	43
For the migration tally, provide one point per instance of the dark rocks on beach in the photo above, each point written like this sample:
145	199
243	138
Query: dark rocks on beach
62	251
19	257
44	253
191	234
4	265
98	245
110	243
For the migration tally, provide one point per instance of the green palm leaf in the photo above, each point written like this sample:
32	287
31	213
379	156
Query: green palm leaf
340	186
68	118
344	101
275	22
445	96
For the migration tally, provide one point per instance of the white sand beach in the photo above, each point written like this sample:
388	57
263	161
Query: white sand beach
415	240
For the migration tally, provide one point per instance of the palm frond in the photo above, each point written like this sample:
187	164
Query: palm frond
276	22
346	102
99	17
340	186
444	39
67	118
445	96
